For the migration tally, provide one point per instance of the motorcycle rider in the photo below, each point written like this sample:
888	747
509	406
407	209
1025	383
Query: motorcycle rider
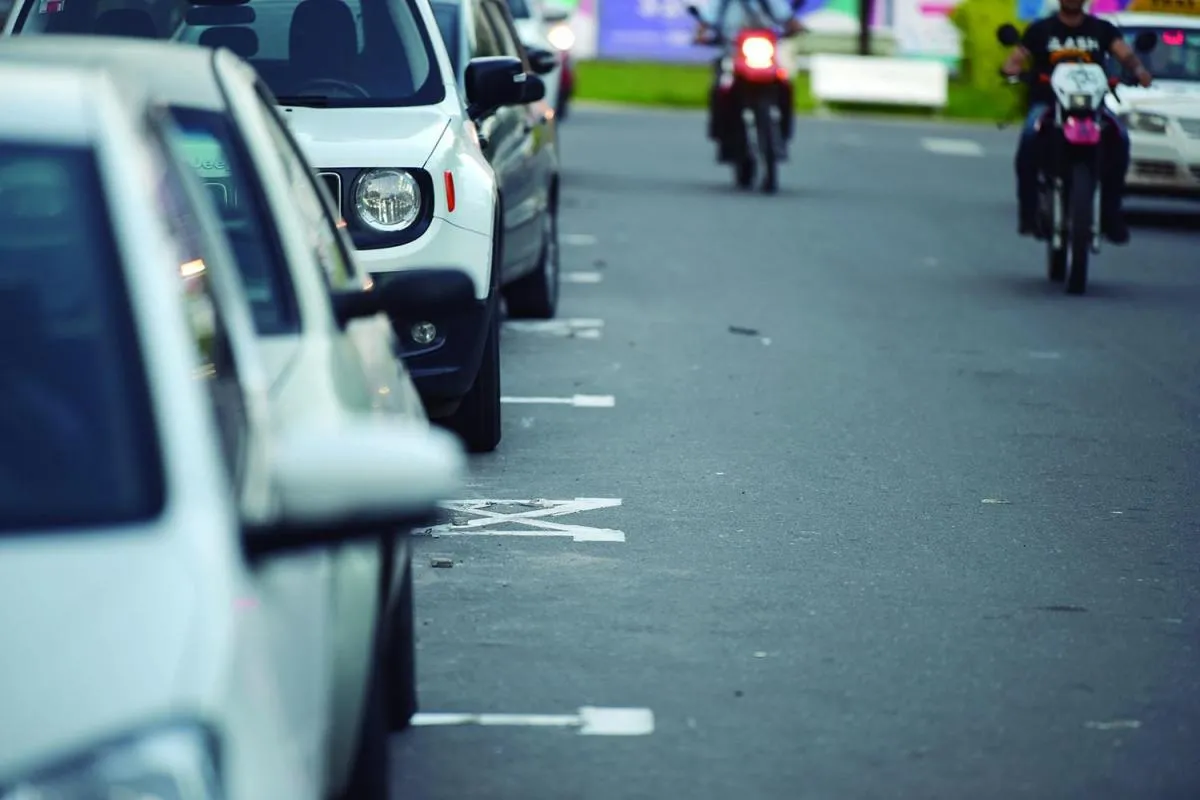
729	17
1072	32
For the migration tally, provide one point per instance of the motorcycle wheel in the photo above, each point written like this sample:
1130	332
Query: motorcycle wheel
743	172
1056	259
768	149
1083	191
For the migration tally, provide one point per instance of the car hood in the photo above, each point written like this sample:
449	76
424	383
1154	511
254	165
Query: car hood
96	634
367	137
1171	97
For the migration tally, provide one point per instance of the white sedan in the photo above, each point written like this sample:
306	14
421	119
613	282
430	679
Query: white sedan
164	557
1163	120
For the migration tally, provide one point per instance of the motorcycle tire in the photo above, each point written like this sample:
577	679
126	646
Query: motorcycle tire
1056	258
768	145
1080	218
743	172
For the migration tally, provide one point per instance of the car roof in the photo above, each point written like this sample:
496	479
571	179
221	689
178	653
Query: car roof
48	103
173	72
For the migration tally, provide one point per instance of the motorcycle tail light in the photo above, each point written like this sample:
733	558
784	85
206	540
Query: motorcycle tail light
758	52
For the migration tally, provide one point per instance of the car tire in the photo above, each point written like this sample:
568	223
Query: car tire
401	658
477	420
535	296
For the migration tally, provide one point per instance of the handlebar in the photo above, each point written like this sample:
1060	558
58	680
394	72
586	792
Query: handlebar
1029	76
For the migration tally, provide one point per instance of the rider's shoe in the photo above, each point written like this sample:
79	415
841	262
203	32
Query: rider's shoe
1115	229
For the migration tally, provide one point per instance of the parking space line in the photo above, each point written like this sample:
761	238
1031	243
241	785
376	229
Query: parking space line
576	276
575	401
588	721
566	328
578	239
952	147
488	514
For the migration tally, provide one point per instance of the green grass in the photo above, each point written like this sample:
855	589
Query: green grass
686	86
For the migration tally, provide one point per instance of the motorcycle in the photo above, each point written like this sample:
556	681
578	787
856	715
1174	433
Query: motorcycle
1069	184
753	82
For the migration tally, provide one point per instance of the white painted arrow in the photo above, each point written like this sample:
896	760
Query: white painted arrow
590	721
533	515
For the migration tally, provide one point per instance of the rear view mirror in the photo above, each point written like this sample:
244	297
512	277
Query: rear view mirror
492	82
407	294
1008	35
1145	42
535	89
358	479
543	61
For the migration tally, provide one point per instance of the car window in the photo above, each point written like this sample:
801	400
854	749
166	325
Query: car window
505	36
319	224
519	9
211	146
217	367
79	444
446	15
1176	56
485	42
344	53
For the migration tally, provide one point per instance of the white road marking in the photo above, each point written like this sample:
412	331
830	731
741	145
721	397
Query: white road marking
589	721
534	515
575	401
578	239
567	328
952	147
576	276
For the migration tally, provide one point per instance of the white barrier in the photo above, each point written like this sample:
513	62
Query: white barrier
873	79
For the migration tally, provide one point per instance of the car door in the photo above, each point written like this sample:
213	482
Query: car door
531	178
504	134
290	591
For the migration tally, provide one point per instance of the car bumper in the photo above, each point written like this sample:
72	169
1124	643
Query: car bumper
442	245
1165	165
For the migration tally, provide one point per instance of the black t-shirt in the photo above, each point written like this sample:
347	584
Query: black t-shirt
1050	40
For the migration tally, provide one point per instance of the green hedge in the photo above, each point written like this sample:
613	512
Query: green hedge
983	55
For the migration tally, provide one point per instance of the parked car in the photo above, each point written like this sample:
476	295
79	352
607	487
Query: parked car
165	541
521	144
547	29
398	146
300	274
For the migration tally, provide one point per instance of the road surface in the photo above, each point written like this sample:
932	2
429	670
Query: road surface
897	519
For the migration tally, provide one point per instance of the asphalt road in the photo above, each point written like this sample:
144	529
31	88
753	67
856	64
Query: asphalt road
925	528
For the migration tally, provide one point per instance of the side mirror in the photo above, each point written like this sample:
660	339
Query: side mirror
1145	42
553	16
694	12
535	89
543	61
407	294
492	82
1008	35
356	480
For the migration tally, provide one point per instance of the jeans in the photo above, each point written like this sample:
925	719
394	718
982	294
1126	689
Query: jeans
1113	167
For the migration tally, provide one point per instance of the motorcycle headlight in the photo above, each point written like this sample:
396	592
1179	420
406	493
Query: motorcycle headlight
171	764
1146	123
1081	101
387	200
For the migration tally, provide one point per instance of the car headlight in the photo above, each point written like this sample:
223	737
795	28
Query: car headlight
387	200
170	764
1146	123
561	36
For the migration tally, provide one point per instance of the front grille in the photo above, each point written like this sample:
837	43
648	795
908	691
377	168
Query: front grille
333	182
1191	127
1155	169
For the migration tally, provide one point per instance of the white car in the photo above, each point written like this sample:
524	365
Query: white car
165	577
1163	120
534	29
290	255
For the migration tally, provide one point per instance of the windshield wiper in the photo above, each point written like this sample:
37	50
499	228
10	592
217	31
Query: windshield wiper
307	100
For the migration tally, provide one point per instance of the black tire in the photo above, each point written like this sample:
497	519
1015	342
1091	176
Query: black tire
768	145
743	172
477	420
535	296
1056	262
369	775
1080	218
401	649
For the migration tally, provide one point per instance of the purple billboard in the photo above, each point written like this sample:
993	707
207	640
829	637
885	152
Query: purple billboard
655	30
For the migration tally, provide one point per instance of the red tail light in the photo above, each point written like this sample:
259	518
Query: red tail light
755	56
759	52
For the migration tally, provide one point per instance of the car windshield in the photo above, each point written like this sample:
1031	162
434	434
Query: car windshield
1176	57
79	444
519	9
208	143
447	21
343	53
